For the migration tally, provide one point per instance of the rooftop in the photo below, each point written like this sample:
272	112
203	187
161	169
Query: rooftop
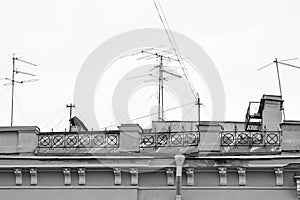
262	133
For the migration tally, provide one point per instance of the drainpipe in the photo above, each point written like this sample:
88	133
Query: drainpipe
179	159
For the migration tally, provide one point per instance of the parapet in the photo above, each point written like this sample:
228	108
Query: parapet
18	139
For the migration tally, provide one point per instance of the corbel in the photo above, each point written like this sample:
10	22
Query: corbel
81	176
223	176
279	176
170	176
190	177
242	176
18	175
67	176
134	176
118	177
33	176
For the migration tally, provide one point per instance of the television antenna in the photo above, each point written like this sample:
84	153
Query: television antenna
161	68
278	75
13	81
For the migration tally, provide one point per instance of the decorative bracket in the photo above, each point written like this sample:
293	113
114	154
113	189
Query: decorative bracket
18	175
67	176
242	176
33	176
190	177
279	176
170	176
81	176
134	176
118	176
297	180
223	176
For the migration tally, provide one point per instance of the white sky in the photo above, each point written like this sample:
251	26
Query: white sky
239	36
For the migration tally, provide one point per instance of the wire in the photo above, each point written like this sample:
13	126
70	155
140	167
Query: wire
50	114
208	113
160	17
176	50
61	119
149	100
188	111
124	115
59	114
80	115
174	45
21	108
139	76
151	114
212	112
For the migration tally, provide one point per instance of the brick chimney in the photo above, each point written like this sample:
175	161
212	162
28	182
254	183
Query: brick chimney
271	112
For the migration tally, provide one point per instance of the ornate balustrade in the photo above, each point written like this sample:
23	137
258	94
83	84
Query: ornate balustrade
242	138
53	140
155	140
169	139
78	140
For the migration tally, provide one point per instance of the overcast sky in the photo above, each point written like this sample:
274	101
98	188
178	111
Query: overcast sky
239	36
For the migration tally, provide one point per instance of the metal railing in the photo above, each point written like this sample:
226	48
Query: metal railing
78	140
169	139
242	138
253	118
253	108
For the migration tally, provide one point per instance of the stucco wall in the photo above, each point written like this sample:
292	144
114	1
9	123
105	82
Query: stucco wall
69	194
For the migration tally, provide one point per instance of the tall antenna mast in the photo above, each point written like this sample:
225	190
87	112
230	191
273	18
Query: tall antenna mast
71	106
12	82
278	76
163	55
161	79
160	91
12	92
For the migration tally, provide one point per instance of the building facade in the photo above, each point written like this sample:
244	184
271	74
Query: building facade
255	159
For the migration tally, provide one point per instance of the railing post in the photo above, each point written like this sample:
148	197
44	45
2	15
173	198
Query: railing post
264	135
235	136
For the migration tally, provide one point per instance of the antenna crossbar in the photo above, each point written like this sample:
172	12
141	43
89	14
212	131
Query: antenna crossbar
160	56
24	61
